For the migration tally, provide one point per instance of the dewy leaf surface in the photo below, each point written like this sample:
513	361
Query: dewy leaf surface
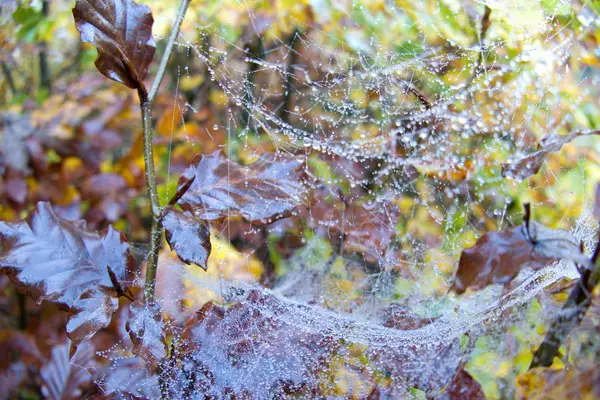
262	192
497	257
188	237
146	330
64	263
121	30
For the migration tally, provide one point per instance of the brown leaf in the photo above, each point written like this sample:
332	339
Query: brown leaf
147	332
463	386
224	342
64	263
65	377
18	355
108	195
530	164
497	257
365	230
188	237
261	193
128	378
121	30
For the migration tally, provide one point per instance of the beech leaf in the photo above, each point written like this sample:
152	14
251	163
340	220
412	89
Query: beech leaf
188	237
126	378
530	164
365	230
463	386
121	30
262	192
497	257
147	332
64	263
65	377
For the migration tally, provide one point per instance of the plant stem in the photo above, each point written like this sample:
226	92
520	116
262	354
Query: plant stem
163	63
284	111
156	231
146	102
45	81
570	316
9	78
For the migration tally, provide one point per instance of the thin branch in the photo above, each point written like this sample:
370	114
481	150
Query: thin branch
420	96
284	111
485	25
146	101
156	230
570	316
167	54
45	81
9	79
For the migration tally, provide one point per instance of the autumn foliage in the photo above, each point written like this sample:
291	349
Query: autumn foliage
148	251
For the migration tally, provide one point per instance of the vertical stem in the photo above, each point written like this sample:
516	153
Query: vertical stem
256	50
45	82
9	78
23	317
146	101
156	230
163	63
284	111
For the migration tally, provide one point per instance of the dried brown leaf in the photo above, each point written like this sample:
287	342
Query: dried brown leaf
497	257
128	378
188	237
463	386
147	332
121	30
64	263
262	192
65	377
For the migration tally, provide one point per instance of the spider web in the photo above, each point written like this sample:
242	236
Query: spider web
412	130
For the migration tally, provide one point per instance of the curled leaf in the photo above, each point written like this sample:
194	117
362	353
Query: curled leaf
121	30
64	263
497	257
530	164
188	237
146	330
261	193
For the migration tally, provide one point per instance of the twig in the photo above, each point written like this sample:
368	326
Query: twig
284	111
163	63
9	78
146	102
485	25
45	81
570	316
420	96
255	50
